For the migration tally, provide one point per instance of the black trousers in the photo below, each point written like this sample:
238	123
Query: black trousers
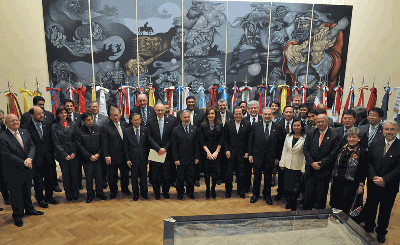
238	164
281	181
20	196
385	199
258	171
139	171
53	169
161	177
69	169
104	171
316	191
248	174
185	171
113	175
172	172
343	193
93	171
3	185
43	179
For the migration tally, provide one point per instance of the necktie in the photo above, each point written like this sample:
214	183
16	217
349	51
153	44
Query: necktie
191	117
39	131
254	120
137	135
187	130
144	116
372	135
161	126
19	140
387	148
321	137
345	132
223	119
237	128
266	131
95	119
119	130
287	128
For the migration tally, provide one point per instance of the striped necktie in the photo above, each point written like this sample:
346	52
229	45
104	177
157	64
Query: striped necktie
372	135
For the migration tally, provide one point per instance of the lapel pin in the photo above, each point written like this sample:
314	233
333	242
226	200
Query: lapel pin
191	130
327	138
390	155
273	130
166	122
241	125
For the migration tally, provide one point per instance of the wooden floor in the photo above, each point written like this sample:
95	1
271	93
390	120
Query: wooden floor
123	221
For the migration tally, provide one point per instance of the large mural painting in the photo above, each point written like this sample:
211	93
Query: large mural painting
227	50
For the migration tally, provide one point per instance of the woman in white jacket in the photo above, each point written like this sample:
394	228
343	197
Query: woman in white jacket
293	162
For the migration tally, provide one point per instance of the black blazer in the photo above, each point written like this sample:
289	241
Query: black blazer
185	147
210	138
13	156
198	117
340	132
229	116
326	153
150	112
265	151
365	134
26	117
64	140
89	141
44	147
388	166
112	142
136	152
247	118
237	143
154	134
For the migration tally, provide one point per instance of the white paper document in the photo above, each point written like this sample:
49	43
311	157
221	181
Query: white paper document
153	156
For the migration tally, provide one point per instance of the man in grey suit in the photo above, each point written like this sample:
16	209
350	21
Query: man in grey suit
98	119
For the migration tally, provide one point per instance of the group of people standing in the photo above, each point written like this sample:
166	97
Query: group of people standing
304	147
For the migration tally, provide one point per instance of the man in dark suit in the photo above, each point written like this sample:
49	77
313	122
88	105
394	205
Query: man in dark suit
113	148
373	130
172	167
383	179
3	184
303	114
361	115
88	139
320	150
236	135
223	114
185	150
40	132
160	130
296	102
74	116
312	120
265	149
147	112
98	119
349	120
17	152
243	105
254	108
38	101
136	149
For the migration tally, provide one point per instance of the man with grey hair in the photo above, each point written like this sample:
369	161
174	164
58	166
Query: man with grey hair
383	179
253	116
98	119
2	126
223	114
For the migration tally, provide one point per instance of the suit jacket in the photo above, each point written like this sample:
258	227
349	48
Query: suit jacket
265	151
89	141
101	120
44	147
249	116
237	142
308	128
185	147
64	139
229	116
365	134
112	142
26	117
150	112
386	166
340	132
282	124
210	138
155	139
198	117
136	152
13	156
326	153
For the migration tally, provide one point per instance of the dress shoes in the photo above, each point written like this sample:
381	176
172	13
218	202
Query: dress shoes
105	185
33	212
135	197
69	199
278	197
287	206
127	192
242	195
113	195
381	238
145	196
268	200
166	195
228	195
208	193
180	196
43	204
218	182
80	187
101	196
157	196
7	201
213	193
18	222
89	199
197	183
191	196
57	189
253	199
76	198
51	201
1	209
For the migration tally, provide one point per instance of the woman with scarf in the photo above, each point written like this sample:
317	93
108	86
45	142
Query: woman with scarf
349	172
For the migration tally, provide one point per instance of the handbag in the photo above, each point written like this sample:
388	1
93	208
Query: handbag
355	212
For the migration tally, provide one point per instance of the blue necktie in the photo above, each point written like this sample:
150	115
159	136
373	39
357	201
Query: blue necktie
161	126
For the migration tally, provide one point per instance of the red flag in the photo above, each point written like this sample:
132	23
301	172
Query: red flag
372	99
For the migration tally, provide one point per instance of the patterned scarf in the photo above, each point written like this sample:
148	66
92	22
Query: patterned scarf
351	165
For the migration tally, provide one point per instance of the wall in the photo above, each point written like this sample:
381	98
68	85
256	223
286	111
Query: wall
373	48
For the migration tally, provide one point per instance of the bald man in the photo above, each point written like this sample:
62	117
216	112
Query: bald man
320	150
18	152
145	111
